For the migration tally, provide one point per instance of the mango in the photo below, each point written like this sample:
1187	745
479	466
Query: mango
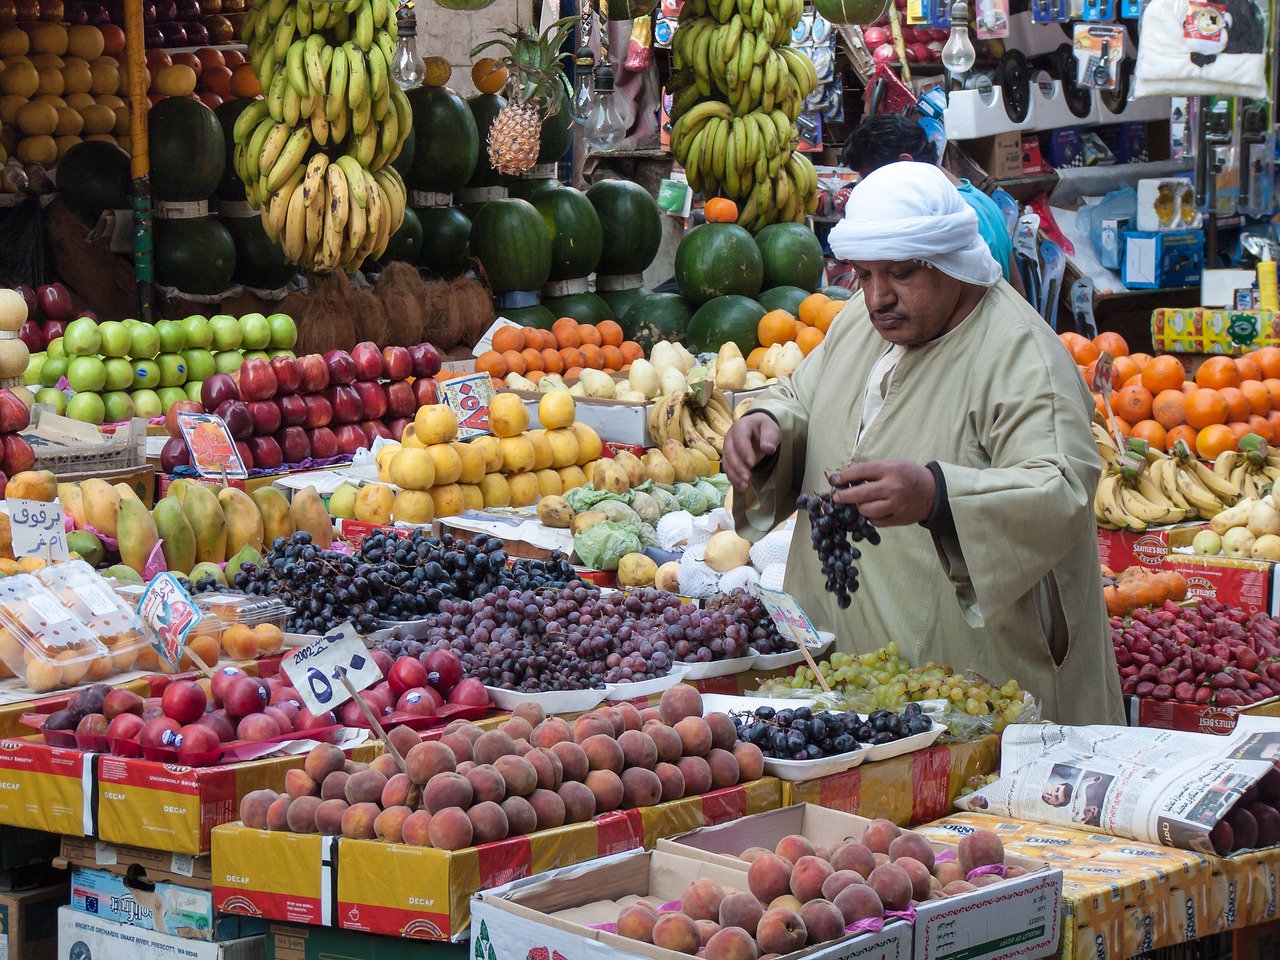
246	554
123	573
127	491
309	514
177	538
72	503
6	538
87	545
244	522
137	534
178	488
203	511
101	506
277	521
202	570
39	485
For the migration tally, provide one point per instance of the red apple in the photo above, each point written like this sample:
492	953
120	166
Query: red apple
198	742
245	695
342	368
160	732
349	437
470	692
424	391
383	660
319	411
246	456
397	363
171	415
174	454
373	399
220	724
444	670
417	702
400	399
323	443
426	361
222	678
18	455
306	720
293	410
282	716
124	726
53	329
14	415
294	445
32	336
121	701
346	402
235	414
257	380
396	427
92	725
373	429
258	726
31	300
266	452
266	416
217	390
184	701
368	360
406	673
288	376
314	373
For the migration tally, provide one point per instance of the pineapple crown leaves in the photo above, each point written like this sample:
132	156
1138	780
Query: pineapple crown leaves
536	63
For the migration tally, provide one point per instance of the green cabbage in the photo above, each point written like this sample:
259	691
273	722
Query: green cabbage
692	499
645	506
585	497
602	545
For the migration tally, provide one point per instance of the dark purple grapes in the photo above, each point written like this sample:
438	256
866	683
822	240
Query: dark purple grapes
801	734
834	529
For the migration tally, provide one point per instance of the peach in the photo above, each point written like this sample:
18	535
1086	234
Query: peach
672	781
920	877
521	817
523	747
957	887
488	822
732	944
323	760
679	702
706	930
400	791
460	746
447	790
416	829
769	877
592	725
579	801
832	886
550	732
518	775
614	717
365	787
606	786
352	767
548	807
695	736
793	847
879	834
948	871
696	773
855	857
301	816
450	829
386	765
548	767
573	760
487	784
986	880
914	846
807	877
466	728
821	852
357	822
465	767
785	902
1011	872
781	931
724	769
742	910
517	728
823	921
254	806
298	784
404	739
278	813
491	745
892	885
329	817
670	749
636	922
858	902
427	759
752	854
630	714
640	788
675	931
723	732
750	761
530	713
334	786
604	753
701	899
389	824
979	849
638	749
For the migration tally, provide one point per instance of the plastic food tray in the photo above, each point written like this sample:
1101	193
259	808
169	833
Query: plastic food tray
797	770
724	703
553	701
775	661
647	688
41	635
121	450
718	668
910	744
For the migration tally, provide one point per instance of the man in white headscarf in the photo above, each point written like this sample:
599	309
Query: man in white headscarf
949	413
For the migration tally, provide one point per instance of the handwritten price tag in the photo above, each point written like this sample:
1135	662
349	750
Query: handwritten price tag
469	398
171	613
213	450
38	529
316	670
792	622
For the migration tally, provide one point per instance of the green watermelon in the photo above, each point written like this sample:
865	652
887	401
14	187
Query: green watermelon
837	293
583	307
484	108
658	316
716	259
510	240
406	243
196	255
557	131
723	319
188	150
447	141
526	188
93	176
535	316
260	263
621	300
631	225
574	229
231	187
446	238
783	298
792	256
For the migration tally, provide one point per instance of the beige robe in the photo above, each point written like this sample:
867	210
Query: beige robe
1000	405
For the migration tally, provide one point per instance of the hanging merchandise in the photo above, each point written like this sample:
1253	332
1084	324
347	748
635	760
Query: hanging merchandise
1257	160
992	19
1049	11
1217	159
1098	51
1201	48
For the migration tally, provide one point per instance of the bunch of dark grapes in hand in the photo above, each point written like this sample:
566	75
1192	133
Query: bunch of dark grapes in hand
834	529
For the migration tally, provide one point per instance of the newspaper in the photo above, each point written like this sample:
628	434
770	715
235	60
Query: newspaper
1156	786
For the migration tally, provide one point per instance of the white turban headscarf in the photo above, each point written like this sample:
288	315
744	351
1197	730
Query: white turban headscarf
911	211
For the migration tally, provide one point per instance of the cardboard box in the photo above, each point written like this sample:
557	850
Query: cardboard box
164	907
82	937
1193	717
1162	260
1259	942
1213	331
286	941
46	788
274	875
1018	917
1120	549
1245	584
23	848
29	923
554	914
157	864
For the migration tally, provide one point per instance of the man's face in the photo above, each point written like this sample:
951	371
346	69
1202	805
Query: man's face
1055	795
909	302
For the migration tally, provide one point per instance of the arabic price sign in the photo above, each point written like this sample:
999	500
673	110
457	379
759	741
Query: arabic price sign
39	529
792	622
213	451
171	613
316	670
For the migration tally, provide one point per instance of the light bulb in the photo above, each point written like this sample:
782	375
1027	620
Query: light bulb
958	54
407	68
580	107
607	123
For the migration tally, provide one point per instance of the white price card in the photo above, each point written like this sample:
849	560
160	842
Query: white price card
38	529
792	622
316	670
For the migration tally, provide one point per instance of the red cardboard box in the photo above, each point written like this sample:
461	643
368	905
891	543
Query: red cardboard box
1193	717
1120	549
1245	584
46	788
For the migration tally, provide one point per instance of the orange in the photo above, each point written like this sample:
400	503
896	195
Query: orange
532	358
244	83
610	333
215	78
1237	404
1126	369
566	333
1134	381
515	361
491	362
1122	425
552	362
1133	403
1248	369
1083	351
590	333
1111	343
1098	405
1259	397
1268	361
488	75
1140	591
827	314
1169	408
1213	440
1273	421
809	339
1152	432
592	356
210	57
776	326
613	359
720	210
509	338
535	375
1273	391
1163	373
1218	372
572	373
754	358
572	357
1189	387
1238	430
809	306
1206	408
1261	426
1141	359
1184	433
631	351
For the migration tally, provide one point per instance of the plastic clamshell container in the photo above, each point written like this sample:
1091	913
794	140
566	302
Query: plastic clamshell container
224	612
41	641
92	601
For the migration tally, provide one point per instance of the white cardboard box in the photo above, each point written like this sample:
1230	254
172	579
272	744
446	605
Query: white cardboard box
82	937
548	915
1017	918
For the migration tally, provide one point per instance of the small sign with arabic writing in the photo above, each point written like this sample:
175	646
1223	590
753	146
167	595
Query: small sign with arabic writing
39	529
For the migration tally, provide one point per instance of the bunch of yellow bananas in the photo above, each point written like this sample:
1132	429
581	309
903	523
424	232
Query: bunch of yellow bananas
325	70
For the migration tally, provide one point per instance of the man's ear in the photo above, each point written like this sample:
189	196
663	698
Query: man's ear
905	157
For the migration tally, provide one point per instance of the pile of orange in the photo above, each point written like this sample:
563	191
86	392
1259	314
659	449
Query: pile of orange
1138	586
807	328
1156	400
567	348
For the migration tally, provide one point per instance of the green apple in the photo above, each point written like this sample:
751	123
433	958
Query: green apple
115	337
144	341
118	406
131	321
282	353
146	404
54	398
86	374
146	374
31	376
81	337
56	348
342	502
173	369
173	338
257	355
198	331
119	373
284	332
192	389
53	370
227	334
86	407
200	363
171	395
255	331
228	361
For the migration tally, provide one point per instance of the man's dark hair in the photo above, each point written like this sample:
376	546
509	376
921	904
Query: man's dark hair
882	140
1066	796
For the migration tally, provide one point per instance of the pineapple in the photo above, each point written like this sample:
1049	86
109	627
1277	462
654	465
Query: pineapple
536	85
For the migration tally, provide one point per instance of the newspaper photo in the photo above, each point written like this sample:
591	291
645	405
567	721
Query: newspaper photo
1157	786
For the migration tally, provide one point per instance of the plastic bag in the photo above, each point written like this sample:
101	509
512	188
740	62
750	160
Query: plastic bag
22	253
646	507
667	502
1107	221
692	499
585	497
714	495
618	512
602	545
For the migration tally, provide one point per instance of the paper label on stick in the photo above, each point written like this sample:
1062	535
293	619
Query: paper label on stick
469	398
486	342
792	622
316	670
213	450
38	529
171	613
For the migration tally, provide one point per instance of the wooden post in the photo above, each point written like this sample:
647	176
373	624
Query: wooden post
140	166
